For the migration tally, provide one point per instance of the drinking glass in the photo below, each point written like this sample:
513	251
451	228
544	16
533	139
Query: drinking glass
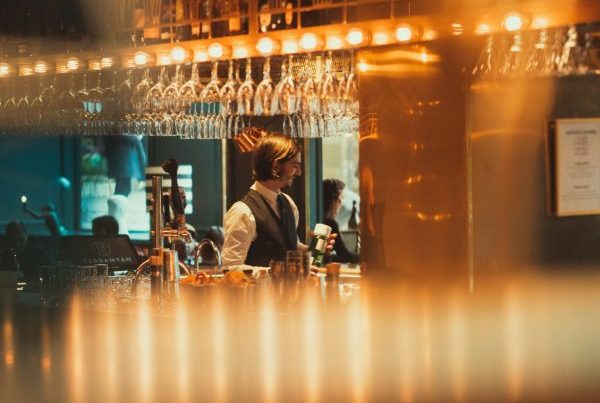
264	92
245	96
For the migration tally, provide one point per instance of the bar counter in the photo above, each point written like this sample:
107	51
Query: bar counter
530	338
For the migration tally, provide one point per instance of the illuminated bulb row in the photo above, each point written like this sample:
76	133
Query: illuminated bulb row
266	46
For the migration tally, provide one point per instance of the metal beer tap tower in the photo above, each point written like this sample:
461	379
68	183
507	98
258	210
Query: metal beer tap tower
163	262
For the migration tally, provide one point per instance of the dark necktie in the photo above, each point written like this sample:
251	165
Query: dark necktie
286	222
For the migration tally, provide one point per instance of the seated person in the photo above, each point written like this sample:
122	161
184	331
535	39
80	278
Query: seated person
105	225
332	203
20	255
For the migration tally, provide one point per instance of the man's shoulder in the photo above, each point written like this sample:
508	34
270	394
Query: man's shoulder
239	207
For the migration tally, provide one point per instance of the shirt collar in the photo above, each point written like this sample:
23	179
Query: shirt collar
270	195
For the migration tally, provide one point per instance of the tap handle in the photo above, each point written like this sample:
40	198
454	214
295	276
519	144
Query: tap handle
166	202
171	166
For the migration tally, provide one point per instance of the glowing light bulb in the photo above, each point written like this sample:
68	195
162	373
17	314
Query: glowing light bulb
240	52
540	23
40	67
106	62
215	50
25	71
404	33
200	55
72	63
483	29
178	54
4	69
334	42
309	41
513	22
362	66
289	46
163	59
456	28
355	37
380	38
266	46
141	58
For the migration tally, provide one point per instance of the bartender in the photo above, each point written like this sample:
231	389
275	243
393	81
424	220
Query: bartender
263	225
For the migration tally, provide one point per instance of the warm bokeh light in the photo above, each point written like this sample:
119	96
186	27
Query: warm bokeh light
240	52
356	37
289	46
266	46
200	55
163	59
456	28
141	58
5	69
178	54
94	65
106	62
41	67
404	33
381	38
540	23
483	29
333	42
309	41
216	50
362	66
73	64
513	22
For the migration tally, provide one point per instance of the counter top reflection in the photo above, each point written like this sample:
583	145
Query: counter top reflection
511	339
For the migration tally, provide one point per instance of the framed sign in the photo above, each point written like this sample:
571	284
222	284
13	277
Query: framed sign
577	166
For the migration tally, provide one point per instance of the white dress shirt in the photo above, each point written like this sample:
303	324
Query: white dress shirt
240	228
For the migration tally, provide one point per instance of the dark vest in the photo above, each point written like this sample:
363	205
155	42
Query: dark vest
269	243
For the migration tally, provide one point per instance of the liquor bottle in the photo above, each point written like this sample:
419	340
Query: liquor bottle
352	222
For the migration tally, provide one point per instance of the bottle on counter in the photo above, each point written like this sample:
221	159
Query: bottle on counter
352	221
318	244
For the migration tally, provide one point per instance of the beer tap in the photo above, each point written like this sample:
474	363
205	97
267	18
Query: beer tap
163	263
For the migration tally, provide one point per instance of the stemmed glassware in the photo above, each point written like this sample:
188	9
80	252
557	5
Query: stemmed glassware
284	98
228	103
211	124
550	53
264	92
312	97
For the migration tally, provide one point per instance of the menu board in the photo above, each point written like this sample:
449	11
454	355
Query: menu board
577	164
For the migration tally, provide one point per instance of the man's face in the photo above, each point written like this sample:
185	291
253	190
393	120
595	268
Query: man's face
289	170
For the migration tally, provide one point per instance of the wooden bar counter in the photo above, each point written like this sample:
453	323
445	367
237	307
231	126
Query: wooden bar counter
533	338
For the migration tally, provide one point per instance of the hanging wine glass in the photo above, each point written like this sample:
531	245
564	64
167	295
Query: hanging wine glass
556	51
308	101
264	91
328	95
161	124
209	98
22	110
67	107
284	98
229	100
82	97
245	96
9	111
48	98
125	105
190	91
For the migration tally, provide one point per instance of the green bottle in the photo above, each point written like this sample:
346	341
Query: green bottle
318	244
